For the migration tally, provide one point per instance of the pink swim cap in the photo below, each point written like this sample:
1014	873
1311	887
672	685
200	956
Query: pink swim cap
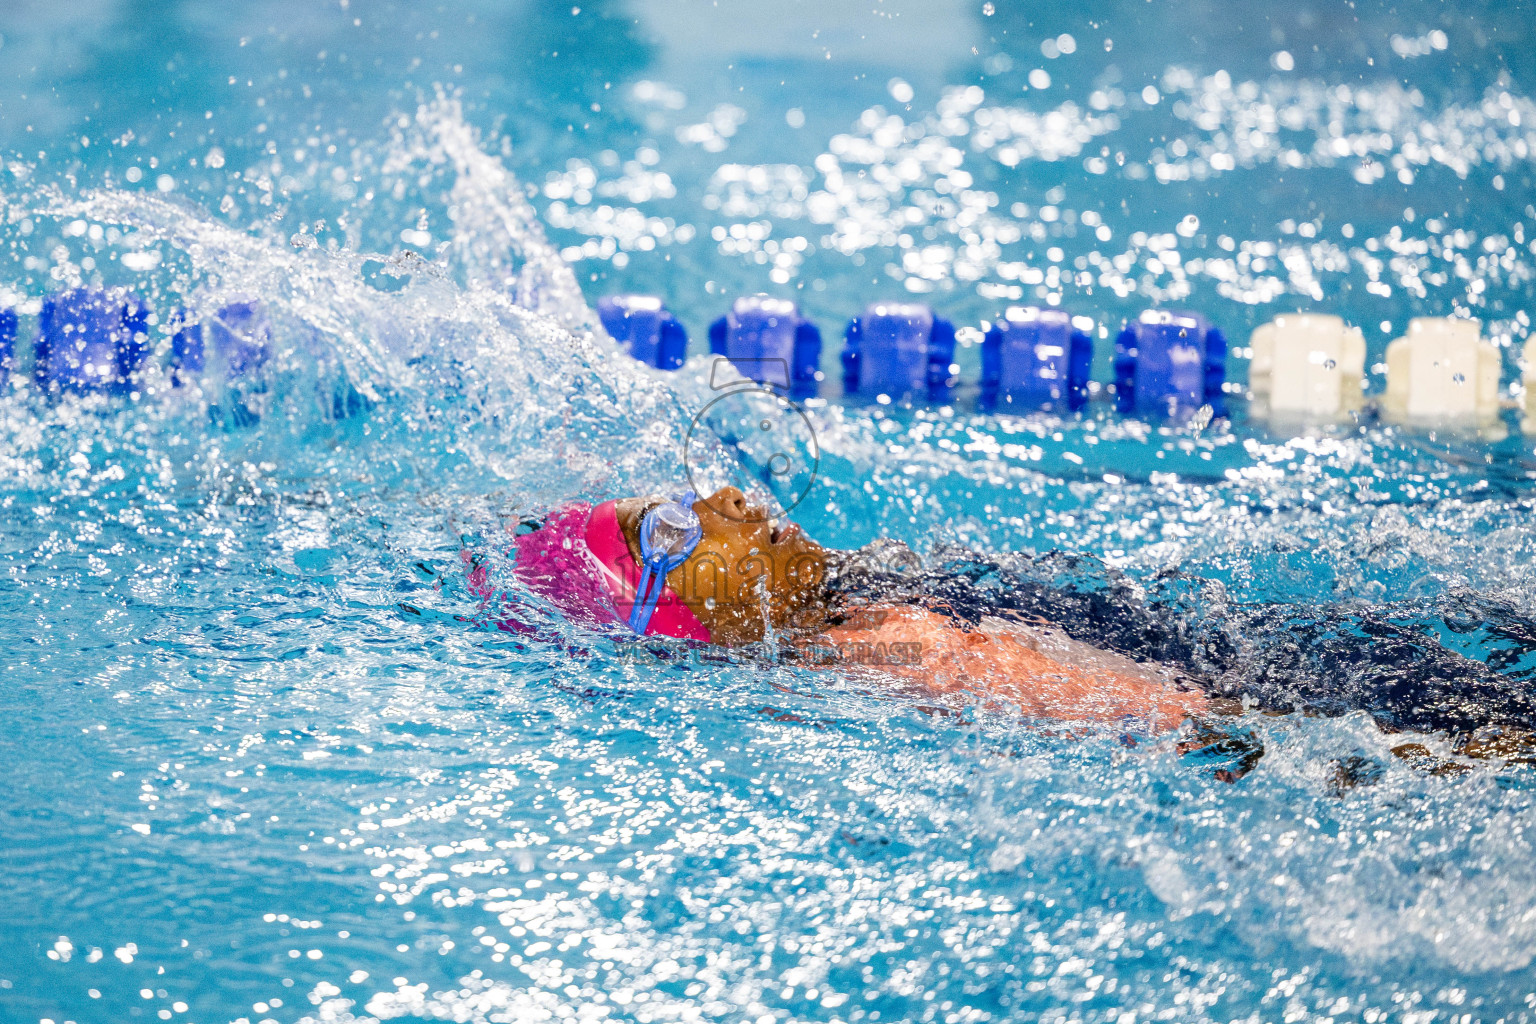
581	563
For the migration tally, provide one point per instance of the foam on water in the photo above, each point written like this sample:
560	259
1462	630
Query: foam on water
260	763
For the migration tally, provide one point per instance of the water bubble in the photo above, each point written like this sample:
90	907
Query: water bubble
1459	378
988	9
1329	364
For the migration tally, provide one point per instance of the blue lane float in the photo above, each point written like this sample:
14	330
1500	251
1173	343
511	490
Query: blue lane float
227	355
91	340
1170	364
768	340
901	351
1036	359
7	342
643	327
235	343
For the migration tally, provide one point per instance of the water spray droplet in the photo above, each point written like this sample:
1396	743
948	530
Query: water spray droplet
1202	418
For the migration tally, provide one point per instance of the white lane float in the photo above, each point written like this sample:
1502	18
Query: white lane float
1308	367
1442	373
1529	423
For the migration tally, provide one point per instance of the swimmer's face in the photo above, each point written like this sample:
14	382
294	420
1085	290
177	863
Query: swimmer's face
747	571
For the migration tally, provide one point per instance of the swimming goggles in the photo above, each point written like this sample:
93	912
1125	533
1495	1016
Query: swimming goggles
669	533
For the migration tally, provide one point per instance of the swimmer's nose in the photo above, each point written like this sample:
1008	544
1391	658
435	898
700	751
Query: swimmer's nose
731	504
729	501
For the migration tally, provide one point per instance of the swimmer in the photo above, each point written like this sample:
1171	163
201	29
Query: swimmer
718	570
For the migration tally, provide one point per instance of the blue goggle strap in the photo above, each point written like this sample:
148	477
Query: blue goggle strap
668	535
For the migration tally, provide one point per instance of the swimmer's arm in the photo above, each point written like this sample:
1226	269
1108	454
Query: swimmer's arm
1055	644
1073	682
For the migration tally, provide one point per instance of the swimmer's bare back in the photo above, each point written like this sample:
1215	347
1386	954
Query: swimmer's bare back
1041	671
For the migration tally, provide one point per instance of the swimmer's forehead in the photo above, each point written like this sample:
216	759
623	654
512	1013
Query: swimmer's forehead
659	498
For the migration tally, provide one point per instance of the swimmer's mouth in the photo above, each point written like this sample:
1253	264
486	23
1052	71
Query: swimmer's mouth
782	532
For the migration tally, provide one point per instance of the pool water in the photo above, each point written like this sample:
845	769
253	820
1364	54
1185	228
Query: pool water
260	760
